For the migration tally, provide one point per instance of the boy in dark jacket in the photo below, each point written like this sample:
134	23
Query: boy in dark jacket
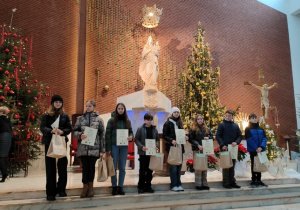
256	143
229	133
146	131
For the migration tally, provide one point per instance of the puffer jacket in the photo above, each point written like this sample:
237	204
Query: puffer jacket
92	120
169	134
227	133
196	138
141	135
47	121
256	137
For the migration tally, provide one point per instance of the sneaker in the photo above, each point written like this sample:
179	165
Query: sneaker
149	190
175	189
206	187
180	188
141	191
199	188
235	185
261	184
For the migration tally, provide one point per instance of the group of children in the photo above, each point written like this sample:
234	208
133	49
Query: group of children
228	132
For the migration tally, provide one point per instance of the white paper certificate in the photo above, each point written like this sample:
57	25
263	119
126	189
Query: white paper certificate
91	136
122	135
208	147
151	145
180	136
233	151
56	123
262	157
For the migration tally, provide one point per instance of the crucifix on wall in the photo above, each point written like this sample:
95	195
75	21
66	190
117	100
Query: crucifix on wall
264	92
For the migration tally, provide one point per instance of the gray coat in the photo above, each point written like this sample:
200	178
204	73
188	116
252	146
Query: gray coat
141	135
93	120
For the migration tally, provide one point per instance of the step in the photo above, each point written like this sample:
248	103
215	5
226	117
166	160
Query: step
131	189
190	199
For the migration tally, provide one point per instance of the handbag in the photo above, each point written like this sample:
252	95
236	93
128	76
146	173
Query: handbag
156	162
200	162
225	160
175	156
110	166
57	148
102	170
258	166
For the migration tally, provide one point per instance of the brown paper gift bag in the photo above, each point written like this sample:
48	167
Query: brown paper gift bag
200	162
102	170
258	166
57	148
156	162
225	160
110	166
175	155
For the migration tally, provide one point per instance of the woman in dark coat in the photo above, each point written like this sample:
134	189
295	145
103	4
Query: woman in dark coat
64	129
5	140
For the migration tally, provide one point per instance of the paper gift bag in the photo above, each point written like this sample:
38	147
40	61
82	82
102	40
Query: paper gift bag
208	147
233	151
258	166
110	166
57	148
263	157
175	155
156	162
200	162
102	170
225	160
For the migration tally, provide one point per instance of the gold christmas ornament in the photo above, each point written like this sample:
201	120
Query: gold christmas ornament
197	84
207	115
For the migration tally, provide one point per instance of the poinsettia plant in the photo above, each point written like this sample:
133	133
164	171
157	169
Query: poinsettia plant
242	151
190	165
212	162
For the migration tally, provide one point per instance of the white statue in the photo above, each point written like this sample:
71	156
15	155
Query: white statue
149	65
264	97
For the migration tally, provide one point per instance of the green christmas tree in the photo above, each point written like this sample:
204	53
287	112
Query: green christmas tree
200	84
20	91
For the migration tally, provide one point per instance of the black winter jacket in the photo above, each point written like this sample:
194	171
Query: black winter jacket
47	121
141	135
227	133
169	135
196	138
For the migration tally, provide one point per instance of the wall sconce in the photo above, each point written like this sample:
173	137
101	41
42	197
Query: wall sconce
106	87
150	16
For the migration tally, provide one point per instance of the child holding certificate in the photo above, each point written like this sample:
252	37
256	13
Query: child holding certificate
199	131
63	127
146	132
119	153
89	152
256	143
169	135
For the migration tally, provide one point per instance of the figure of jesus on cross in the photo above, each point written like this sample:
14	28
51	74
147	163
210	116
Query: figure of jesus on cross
264	90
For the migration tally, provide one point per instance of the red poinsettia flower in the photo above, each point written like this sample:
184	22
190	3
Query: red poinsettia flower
189	162
217	149
212	159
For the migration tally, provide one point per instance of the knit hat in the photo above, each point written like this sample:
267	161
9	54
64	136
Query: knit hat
56	98
174	109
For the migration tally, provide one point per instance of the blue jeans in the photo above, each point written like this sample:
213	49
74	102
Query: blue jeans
119	153
175	174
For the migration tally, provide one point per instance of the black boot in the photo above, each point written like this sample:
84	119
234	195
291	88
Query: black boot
4	177
115	191
120	191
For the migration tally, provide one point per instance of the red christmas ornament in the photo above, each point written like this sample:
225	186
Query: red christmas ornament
1	86
0	69
19	121
37	137
15	48
16	116
35	98
12	76
7	88
39	112
13	54
28	136
47	87
11	92
25	40
1	97
9	111
19	104
35	81
15	133
6	72
14	60
22	67
32	117
15	35
5	34
7	50
28	91
10	60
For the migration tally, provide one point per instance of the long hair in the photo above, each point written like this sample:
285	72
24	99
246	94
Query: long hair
196	127
55	112
117	115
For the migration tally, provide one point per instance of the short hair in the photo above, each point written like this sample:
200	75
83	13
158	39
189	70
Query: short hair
4	109
252	115
229	111
148	116
92	101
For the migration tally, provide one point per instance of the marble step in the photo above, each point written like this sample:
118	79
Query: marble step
132	189
216	198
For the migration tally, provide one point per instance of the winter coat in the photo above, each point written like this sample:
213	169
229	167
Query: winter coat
227	133
111	133
47	121
169	134
196	138
141	135
256	137
92	120
5	135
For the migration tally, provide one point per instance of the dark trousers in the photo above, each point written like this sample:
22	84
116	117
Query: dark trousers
145	176
3	166
52	188
256	176
88	168
228	175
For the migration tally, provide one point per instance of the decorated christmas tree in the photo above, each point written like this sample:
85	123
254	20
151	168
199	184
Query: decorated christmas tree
20	91
200	84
